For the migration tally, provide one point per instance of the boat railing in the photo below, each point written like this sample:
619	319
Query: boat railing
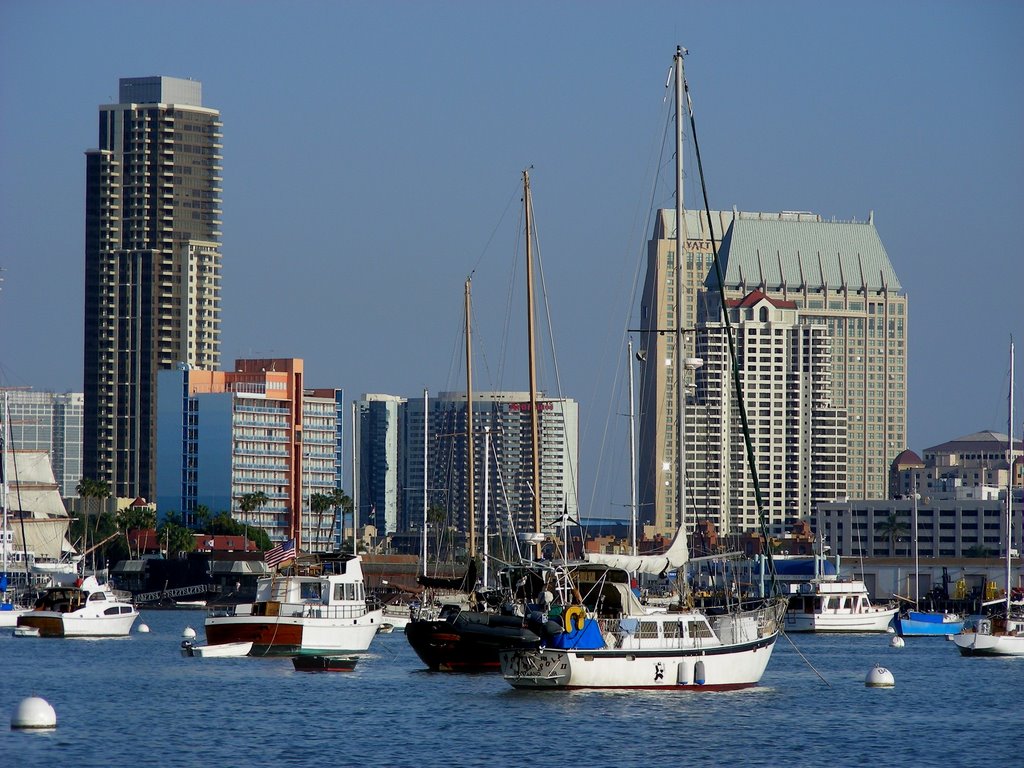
632	634
315	611
292	610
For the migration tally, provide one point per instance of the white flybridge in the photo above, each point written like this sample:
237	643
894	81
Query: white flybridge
611	640
1002	634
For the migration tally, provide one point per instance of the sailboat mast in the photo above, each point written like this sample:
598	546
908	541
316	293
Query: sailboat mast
470	452
632	451
679	356
426	422
487	473
3	470
1009	492
917	559
534	431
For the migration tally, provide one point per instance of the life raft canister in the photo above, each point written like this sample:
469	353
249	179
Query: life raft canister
574	617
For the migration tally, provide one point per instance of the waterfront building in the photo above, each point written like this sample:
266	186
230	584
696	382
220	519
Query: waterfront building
964	522
840	277
798	435
503	418
50	422
375	467
225	434
836	273
672	289
152	268
981	458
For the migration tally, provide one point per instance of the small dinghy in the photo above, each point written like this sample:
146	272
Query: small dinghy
26	631
324	663
221	650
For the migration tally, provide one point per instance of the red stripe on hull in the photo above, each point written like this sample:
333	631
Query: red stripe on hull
265	634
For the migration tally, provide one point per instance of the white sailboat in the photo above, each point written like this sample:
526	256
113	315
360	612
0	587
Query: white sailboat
611	640
999	634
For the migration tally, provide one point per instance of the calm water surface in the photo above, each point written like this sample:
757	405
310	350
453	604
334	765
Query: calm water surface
136	701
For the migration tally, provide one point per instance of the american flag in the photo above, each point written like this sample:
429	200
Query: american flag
280	553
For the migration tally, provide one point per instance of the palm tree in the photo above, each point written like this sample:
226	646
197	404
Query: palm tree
250	502
893	528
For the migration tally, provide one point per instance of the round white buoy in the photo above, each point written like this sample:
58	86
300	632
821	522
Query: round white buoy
879	677
143	628
33	713
189	634
897	641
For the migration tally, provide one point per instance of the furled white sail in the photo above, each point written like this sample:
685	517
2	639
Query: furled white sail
675	556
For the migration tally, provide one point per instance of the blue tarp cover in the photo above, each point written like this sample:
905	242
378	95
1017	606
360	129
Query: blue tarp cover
582	639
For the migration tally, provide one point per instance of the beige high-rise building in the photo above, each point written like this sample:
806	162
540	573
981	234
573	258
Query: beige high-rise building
798	435
152	268
837	274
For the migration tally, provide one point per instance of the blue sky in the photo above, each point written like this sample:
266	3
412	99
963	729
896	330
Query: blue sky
373	151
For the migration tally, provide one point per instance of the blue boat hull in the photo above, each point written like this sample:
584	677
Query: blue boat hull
923	624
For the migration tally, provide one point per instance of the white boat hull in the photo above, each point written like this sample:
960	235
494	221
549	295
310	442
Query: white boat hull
1005	641
224	650
53	624
290	635
714	668
874	621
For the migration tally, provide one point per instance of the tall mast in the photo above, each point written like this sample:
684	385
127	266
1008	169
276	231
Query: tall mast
470	453
426	422
487	473
535	438
917	559
679	356
3	471
632	451
355	482
1009	491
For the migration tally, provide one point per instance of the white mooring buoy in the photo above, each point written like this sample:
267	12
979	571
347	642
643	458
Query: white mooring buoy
188	634
897	642
880	677
143	628
33	713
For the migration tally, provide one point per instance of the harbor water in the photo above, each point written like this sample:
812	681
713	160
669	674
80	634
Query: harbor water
136	701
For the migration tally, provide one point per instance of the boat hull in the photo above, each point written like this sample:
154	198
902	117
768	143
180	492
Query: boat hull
920	624
875	621
324	663
983	644
470	642
224	650
53	624
294	635
700	669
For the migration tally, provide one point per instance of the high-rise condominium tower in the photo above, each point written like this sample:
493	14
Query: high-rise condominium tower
152	267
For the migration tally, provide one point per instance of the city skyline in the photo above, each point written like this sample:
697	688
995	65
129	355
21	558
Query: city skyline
372	163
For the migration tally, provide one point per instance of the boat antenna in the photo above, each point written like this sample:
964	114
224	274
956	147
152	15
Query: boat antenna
730	334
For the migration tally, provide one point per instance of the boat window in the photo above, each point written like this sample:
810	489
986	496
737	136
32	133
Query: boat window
339	591
310	590
111	611
699	629
672	629
96	596
647	629
126	609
